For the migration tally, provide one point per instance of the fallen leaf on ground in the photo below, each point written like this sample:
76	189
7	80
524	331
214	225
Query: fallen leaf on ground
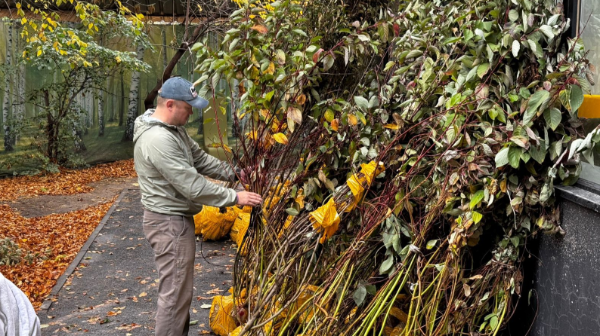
214	291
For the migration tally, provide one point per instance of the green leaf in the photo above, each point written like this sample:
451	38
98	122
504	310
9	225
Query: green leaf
477	217
514	156
450	40
292	211
547	30
482	69
329	115
386	265
537	99
280	55
431	244
565	99
328	62
269	95
552	117
494	322
359	295
455	99
502	157
234	43
537	153
373	102
371	289
389	65
299	32
364	38
471	74
361	117
513	15
311	48
468	35
526	223
362	102
545	193
414	53
553	19
516	46
515	241
576	98
476	198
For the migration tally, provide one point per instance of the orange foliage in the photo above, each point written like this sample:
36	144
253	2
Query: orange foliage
62	235
56	238
67	182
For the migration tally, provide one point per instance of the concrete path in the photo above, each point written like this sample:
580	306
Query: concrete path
113	289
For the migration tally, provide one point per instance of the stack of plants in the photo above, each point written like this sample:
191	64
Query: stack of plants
407	152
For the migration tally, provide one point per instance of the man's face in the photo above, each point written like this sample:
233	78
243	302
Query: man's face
181	112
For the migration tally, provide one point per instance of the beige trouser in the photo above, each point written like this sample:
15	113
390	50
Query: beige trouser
173	241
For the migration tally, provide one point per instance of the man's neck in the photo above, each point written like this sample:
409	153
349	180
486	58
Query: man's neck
161	115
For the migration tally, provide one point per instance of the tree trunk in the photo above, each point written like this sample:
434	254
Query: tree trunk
110	98
101	108
122	100
149	101
6	104
163	34
78	138
51	131
133	98
21	82
89	105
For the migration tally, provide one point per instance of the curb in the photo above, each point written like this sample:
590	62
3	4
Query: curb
63	278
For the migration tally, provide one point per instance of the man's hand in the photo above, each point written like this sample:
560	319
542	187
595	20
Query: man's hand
248	198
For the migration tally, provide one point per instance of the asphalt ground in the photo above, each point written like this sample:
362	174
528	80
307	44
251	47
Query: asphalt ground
113	288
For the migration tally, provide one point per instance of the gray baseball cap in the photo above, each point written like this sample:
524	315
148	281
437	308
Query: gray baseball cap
180	89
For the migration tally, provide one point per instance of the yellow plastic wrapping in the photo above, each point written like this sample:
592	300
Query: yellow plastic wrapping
389	331
236	332
286	225
274	197
213	224
308	292
220	317
362	180
325	220
399	314
239	228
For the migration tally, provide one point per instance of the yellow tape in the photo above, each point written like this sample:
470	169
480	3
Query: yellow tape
221	320
325	220
362	180
590	107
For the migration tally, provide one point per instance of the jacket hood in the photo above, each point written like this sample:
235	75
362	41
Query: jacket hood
146	122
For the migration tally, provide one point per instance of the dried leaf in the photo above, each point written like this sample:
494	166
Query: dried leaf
260	28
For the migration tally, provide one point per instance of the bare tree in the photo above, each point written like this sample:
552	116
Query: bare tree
6	104
134	91
203	16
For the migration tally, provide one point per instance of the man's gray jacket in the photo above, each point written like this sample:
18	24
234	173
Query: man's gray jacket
170	166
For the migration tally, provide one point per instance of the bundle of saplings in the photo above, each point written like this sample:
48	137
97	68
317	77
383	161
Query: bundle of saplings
407	152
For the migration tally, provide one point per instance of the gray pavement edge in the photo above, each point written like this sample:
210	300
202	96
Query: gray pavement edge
63	278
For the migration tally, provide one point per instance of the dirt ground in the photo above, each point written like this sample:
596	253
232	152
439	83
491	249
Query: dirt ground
45	205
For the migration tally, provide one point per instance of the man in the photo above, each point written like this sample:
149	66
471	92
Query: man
171	169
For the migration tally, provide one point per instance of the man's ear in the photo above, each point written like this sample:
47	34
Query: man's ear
170	103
